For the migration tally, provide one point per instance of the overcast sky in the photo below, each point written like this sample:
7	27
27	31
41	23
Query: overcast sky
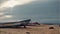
44	11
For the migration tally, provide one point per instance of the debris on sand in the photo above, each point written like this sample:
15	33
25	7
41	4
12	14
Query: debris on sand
51	27
27	32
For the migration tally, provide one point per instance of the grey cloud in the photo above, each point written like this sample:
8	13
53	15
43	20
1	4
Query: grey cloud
37	11
1	1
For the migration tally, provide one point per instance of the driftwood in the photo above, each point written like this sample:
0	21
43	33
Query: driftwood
27	32
51	27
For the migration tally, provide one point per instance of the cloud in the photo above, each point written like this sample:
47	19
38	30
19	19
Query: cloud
12	3
6	16
37	10
1	13
6	5
1	1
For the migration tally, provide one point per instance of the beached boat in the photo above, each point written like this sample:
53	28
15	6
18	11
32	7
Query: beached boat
15	24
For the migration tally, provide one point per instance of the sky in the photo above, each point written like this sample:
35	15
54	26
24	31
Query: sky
43	11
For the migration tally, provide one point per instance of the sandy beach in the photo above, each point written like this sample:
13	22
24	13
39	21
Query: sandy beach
39	29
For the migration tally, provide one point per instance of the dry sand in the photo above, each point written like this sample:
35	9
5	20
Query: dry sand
39	29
